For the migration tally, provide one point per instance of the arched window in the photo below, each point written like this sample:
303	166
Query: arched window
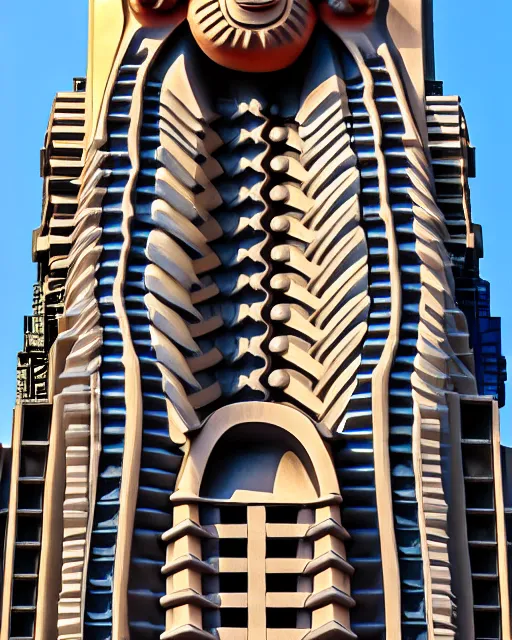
257	547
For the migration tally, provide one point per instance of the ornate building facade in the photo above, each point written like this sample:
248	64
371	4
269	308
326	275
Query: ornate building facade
259	392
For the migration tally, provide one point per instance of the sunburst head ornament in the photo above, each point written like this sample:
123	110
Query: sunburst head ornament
252	35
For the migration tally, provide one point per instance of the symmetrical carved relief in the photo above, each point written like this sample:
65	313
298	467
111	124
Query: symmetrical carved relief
258	277
313	277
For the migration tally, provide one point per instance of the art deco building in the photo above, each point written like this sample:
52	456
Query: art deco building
259	393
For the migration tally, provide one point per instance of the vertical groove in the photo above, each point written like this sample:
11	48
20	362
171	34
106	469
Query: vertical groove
435	366
160	457
243	219
133	391
99	596
106	601
381	375
401	405
354	454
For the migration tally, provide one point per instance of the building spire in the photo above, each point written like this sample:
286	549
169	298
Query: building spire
428	33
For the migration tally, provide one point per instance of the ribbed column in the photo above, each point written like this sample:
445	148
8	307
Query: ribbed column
184	601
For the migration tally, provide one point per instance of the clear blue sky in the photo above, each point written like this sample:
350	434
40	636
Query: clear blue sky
44	47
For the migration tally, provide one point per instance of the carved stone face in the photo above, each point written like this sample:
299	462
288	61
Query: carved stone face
252	35
259	35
